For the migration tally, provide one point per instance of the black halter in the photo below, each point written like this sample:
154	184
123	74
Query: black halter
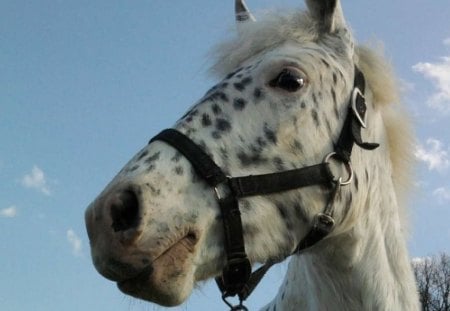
237	277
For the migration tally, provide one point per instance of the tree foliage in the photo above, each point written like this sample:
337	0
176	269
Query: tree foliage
433	282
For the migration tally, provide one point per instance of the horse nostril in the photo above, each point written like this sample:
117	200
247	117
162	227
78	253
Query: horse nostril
125	211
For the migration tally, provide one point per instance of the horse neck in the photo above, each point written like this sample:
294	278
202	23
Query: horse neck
365	268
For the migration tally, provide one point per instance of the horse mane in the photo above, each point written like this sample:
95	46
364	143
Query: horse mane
385	89
277	27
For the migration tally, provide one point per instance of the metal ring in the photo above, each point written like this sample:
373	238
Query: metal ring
348	167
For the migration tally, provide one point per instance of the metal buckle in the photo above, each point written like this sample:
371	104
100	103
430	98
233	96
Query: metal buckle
222	190
361	118
236	274
324	222
348	167
239	307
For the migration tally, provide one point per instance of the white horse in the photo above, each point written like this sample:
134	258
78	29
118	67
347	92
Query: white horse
295	90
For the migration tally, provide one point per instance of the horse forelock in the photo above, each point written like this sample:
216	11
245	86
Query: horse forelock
271	30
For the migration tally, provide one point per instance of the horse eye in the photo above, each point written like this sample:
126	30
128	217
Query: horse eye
289	79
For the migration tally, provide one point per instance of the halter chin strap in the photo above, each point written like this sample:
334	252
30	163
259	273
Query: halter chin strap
237	277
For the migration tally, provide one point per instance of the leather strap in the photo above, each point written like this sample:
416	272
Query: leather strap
199	159
355	120
237	269
251	185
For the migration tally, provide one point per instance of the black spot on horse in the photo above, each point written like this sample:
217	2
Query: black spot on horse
142	155
334	78
231	74
250	159
179	170
153	190
153	157
258	95
282	210
314	97
247	81
239	103
223	125
217	87
133	168
315	117
261	142
269	134
191	112
279	164
216	135
297	145
206	120
216	96
216	109
219	95
240	86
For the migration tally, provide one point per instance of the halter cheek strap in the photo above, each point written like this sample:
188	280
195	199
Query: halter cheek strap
237	277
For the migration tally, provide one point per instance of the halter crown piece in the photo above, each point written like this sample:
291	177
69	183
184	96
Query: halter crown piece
237	277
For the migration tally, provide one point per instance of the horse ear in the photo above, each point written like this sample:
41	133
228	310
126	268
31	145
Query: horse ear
328	13
242	12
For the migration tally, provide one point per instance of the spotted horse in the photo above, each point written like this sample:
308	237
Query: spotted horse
300	152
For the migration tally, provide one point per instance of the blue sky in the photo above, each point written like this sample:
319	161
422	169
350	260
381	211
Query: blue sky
85	84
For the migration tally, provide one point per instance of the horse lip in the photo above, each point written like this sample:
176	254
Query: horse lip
136	282
139	278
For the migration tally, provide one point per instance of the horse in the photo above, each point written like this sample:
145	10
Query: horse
300	151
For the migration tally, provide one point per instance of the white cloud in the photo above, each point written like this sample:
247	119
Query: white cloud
442	194
36	180
9	212
433	155
439	74
75	242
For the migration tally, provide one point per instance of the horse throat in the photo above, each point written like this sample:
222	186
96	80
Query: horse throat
366	268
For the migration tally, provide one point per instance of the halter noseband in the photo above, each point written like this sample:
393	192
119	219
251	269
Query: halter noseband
237	277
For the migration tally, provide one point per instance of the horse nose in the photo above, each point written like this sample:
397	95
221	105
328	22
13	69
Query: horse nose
124	211
114	216
113	223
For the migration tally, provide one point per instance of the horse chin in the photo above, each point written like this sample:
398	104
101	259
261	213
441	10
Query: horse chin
168	281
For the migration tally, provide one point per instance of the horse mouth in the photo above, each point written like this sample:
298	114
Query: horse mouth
155	283
127	285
